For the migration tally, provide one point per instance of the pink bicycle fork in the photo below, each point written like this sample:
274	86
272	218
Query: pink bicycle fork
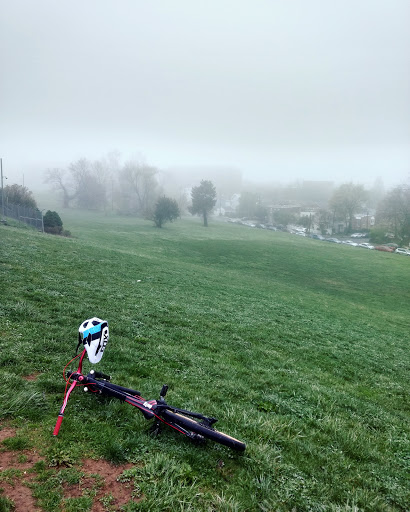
73	385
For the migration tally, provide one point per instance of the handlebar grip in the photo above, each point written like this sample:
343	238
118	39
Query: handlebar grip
100	375
58	424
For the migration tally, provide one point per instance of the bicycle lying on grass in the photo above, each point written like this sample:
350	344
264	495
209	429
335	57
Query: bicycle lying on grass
94	334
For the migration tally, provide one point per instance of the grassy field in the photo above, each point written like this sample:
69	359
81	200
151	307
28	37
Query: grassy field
299	347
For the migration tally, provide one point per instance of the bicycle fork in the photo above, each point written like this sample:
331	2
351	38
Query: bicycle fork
61	413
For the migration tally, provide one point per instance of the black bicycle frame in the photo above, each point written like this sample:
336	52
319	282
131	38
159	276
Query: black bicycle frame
150	408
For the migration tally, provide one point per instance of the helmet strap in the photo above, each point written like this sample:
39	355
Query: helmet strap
79	345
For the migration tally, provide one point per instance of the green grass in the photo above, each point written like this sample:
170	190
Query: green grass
300	348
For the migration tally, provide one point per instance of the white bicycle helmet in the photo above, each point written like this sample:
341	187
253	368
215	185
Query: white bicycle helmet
93	334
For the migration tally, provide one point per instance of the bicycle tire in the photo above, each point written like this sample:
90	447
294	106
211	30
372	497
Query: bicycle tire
203	430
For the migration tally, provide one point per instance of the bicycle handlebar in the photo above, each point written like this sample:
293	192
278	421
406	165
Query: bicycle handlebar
100	375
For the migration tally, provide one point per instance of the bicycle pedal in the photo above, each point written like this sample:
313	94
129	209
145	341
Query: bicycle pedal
196	437
155	429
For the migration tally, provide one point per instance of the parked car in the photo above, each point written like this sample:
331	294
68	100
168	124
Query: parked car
349	242
365	245
317	237
384	248
334	240
400	250
359	235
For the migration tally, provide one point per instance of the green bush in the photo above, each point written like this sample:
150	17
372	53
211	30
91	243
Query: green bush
378	235
52	223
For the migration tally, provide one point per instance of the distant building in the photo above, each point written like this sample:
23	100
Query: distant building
363	221
287	208
227	205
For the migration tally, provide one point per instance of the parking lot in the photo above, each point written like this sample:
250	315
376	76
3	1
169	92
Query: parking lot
358	240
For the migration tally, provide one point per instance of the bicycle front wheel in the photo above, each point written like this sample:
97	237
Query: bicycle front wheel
201	429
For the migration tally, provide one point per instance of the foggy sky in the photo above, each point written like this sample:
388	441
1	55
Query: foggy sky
280	89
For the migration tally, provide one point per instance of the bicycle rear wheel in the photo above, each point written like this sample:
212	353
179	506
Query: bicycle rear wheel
201	429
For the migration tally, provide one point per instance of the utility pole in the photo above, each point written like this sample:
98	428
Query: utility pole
2	190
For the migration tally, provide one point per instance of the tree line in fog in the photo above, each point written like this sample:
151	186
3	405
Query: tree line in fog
134	188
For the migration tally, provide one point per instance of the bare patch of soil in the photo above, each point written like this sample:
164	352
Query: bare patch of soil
120	493
99	476
21	461
15	489
31	377
21	497
6	432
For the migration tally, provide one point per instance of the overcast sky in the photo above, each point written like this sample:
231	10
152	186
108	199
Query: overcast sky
280	89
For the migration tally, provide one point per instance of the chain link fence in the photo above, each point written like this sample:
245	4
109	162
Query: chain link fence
30	216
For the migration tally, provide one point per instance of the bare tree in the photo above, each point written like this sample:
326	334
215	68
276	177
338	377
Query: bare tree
89	183
89	179
139	186
347	200
59	179
394	212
